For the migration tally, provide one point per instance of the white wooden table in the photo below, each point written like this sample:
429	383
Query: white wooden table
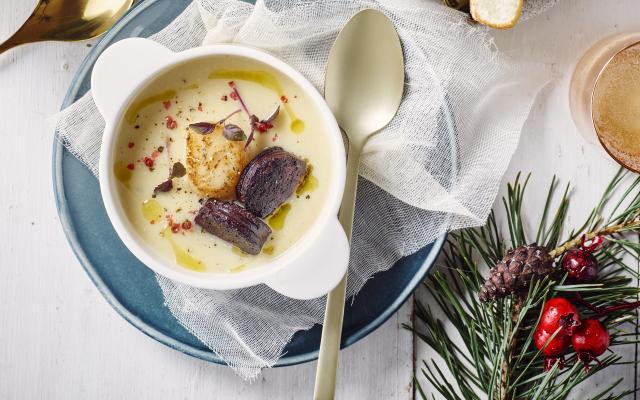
60	340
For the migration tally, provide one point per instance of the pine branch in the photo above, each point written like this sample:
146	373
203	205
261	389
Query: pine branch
494	356
629	225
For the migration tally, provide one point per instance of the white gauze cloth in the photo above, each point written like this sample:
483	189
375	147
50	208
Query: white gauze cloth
436	167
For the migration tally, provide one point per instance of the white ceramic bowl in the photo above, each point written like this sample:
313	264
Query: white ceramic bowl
309	268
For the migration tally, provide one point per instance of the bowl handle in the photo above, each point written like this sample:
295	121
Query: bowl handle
122	67
318	270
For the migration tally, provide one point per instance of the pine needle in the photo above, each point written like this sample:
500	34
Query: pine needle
496	358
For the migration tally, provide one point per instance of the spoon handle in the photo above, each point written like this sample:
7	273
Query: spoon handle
8	44
325	385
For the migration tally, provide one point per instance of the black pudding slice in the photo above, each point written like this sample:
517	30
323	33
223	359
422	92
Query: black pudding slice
234	224
269	179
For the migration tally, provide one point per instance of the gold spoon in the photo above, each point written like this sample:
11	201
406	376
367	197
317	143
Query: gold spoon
363	86
68	20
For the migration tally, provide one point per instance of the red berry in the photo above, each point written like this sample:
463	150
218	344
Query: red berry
554	347
553	333
590	340
130	166
186	225
175	228
558	312
581	265
148	162
166	104
131	144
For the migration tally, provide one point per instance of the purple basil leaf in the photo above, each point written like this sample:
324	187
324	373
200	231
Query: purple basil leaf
273	115
177	171
229	116
203	128
164	186
233	132
250	137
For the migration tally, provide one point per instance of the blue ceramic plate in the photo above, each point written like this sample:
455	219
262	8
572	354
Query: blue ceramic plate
131	288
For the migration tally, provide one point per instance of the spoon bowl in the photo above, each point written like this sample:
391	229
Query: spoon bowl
364	80
364	83
68	20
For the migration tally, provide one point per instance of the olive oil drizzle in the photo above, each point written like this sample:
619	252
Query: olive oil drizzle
308	185
152	210
268	249
236	250
132	113
309	182
122	173
191	86
183	258
267	80
277	219
237	269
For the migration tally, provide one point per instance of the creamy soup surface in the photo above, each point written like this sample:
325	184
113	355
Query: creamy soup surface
152	137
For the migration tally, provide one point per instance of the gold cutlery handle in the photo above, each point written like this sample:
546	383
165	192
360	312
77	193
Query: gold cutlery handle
9	44
325	384
68	21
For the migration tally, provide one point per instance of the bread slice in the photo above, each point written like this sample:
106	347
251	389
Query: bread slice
214	163
501	14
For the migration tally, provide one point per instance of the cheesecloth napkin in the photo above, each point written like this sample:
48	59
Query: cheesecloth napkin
436	167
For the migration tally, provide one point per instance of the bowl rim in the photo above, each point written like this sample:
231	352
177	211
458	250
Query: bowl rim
213	280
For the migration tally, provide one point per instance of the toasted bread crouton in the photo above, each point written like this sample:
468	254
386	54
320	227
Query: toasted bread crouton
214	163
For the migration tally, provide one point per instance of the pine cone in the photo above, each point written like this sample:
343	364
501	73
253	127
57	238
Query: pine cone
515	272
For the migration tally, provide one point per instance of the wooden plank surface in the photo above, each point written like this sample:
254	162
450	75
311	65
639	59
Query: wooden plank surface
58	338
